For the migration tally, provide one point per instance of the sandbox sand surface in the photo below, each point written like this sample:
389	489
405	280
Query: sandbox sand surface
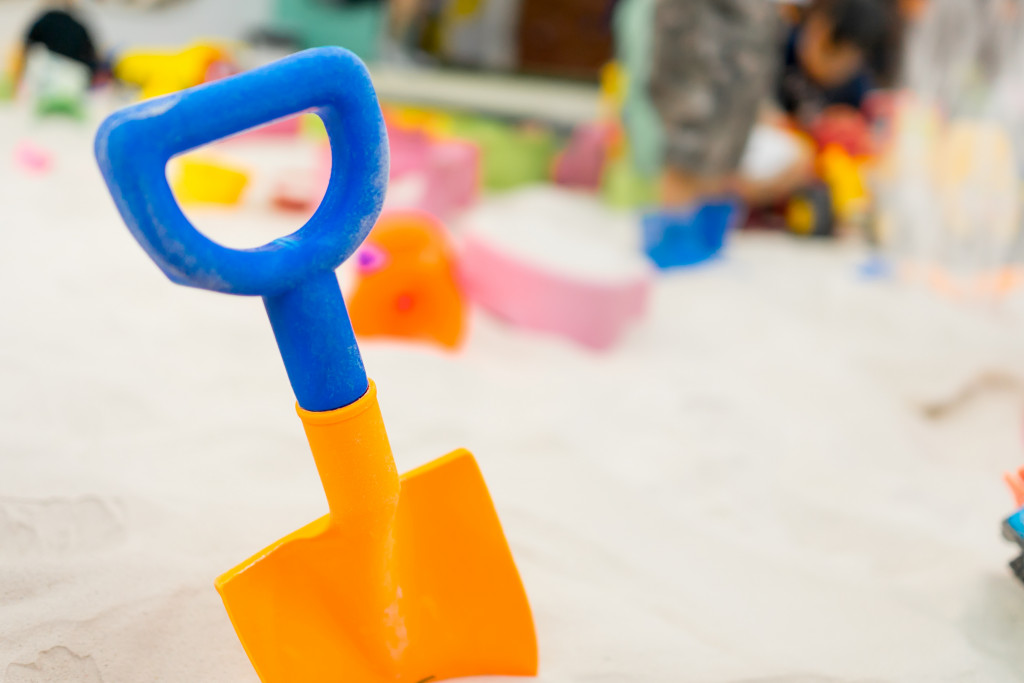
750	488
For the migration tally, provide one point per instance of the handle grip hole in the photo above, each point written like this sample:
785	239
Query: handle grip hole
257	186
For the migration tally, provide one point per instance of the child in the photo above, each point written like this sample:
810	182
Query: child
834	56
829	56
713	65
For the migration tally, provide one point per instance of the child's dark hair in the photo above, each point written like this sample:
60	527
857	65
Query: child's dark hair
865	24
872	26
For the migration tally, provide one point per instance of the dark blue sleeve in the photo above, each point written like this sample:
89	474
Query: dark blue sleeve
852	93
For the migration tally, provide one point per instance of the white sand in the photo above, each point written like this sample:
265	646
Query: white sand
746	490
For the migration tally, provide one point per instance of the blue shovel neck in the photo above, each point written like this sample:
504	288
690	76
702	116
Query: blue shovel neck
317	344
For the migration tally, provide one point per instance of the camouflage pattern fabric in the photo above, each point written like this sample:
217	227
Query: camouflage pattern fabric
714	63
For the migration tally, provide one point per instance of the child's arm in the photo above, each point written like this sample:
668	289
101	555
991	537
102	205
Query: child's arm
766	191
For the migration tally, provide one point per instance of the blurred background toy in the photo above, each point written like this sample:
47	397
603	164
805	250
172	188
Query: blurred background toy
625	86
158	72
583	161
674	239
546	259
453	177
810	212
32	158
624	187
407	284
6	87
10	71
56	85
840	197
512	155
409	145
442	172
1013	526
206	180
286	128
357	24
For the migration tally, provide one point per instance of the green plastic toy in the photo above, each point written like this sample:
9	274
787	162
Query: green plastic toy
356	26
6	88
512	156
624	187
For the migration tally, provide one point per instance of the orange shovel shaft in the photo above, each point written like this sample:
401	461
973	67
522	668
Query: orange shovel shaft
353	457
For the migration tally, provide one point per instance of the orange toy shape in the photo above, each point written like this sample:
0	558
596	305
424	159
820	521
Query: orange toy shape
1015	481
407	579
407	284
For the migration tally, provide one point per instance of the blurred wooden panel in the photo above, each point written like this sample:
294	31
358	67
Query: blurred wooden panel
571	38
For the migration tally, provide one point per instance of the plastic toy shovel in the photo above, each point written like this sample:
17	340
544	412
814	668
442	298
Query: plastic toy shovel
406	579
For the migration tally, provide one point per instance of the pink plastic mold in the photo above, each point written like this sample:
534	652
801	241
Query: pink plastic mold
525	260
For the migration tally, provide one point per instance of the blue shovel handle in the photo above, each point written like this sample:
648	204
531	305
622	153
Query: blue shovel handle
294	274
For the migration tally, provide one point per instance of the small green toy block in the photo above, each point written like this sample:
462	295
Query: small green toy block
623	187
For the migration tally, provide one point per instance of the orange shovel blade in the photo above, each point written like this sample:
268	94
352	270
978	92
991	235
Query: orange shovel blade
445	599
